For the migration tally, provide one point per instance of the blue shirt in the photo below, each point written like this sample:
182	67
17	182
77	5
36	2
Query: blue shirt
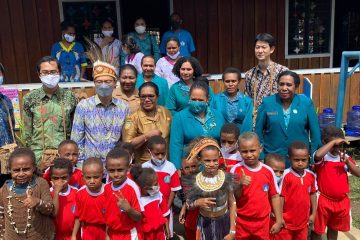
147	45
160	82
71	60
238	110
5	130
187	45
186	126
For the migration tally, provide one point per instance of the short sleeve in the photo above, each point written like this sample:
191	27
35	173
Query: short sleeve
175	182
164	207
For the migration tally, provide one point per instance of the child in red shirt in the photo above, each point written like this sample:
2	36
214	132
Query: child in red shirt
297	194
68	149
277	164
154	223
166	171
256	194
123	209
332	165
90	202
229	135
64	197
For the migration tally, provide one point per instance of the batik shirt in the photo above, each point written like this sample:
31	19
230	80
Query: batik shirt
5	130
97	128
43	118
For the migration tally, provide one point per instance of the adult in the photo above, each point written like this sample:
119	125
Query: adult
166	64
110	46
188	69
148	75
150	120
146	42
196	120
98	120
70	54
7	121
232	103
131	52
260	81
127	90
48	110
287	117
187	45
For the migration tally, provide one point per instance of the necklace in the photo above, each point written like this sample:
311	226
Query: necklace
10	209
209	184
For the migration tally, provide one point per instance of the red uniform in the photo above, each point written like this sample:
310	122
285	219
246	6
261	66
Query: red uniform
190	223
90	209
120	225
230	159
253	207
333	204
296	191
76	179
153	221
65	218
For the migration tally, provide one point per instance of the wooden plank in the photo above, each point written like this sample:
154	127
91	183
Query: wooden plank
326	89
270	27
201	33
45	26
249	35
315	79
280	37
213	37
224	23
260	16
55	20
237	59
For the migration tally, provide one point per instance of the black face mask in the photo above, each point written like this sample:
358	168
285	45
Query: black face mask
175	24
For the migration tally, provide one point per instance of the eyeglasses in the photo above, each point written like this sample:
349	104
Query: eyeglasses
46	73
108	82
149	96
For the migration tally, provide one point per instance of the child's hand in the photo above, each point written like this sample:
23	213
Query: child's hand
245	180
276	227
182	215
205	202
340	141
311	220
58	185
344	158
31	201
229	237
122	203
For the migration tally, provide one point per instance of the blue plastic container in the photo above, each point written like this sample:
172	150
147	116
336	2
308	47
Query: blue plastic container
326	118
353	122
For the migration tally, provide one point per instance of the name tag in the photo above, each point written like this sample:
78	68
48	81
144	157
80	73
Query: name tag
271	113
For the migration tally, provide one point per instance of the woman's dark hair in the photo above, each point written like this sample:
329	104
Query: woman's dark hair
331	132
297	145
128	67
144	177
199	84
175	39
149	84
232	70
195	64
64	25
265	37
138	18
231	128
109	20
294	75
154	140
47	59
131	43
61	163
22	152
117	153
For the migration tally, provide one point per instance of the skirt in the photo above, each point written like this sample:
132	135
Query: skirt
213	228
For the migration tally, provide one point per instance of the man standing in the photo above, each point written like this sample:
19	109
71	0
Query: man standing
98	120
47	110
148	75
186	41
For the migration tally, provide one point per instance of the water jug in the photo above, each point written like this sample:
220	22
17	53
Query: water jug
326	118
353	122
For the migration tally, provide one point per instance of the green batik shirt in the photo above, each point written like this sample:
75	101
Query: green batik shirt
43	119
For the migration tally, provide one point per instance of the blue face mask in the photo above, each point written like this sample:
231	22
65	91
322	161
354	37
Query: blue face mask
1	80
197	107
104	90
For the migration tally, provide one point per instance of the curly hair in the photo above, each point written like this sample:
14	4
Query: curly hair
195	64
61	163
130	42
331	132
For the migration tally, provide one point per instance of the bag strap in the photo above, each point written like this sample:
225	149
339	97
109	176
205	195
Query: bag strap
9	119
271	80
63	117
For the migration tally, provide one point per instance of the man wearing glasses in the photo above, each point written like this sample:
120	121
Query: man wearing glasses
47	110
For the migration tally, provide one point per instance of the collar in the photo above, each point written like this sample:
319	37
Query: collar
258	168
65	48
95	194
297	174
118	92
143	115
119	187
67	192
239	94
98	101
208	115
267	68
57	93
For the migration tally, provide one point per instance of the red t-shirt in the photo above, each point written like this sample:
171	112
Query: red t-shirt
332	177
296	191
168	177
230	159
115	218
155	211
254	201
90	207
76	179
65	218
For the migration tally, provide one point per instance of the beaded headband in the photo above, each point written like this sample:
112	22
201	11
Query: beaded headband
200	146
103	69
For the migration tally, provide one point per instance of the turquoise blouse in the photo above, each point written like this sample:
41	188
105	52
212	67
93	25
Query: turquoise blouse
160	82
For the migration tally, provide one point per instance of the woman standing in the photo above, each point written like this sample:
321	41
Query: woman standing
286	116
166	64
149	120
132	54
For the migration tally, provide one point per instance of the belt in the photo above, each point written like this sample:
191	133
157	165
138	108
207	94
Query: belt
213	214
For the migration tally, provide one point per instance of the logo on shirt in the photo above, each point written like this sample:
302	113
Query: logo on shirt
73	209
182	43
167	179
309	189
266	187
103	211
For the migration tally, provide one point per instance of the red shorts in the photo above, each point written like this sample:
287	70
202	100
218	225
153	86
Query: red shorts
252	228
334	214
158	234
190	233
125	235
93	231
285	234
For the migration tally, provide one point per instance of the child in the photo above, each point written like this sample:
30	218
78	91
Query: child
189	217
68	149
123	209
297	194
64	196
154	223
168	176
131	152
332	165
229	146
277	164
26	199
256	194
90	202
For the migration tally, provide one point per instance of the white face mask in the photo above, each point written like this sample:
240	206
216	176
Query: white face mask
153	191
1	80
140	29
69	38
174	56
50	81
156	161
229	149
108	33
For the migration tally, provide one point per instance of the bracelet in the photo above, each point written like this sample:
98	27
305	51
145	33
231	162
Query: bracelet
232	232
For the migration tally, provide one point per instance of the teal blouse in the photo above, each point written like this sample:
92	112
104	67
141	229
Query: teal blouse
160	82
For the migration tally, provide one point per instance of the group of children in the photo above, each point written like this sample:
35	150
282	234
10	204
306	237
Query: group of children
135	201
